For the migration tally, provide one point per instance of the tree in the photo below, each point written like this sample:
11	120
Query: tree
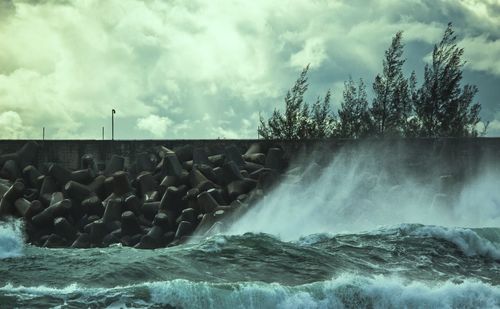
444	107
292	124
354	118
391	104
322	119
298	121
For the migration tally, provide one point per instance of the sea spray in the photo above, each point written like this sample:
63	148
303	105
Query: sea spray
363	189
11	239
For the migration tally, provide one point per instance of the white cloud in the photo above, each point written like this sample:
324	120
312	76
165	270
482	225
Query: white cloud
11	125
482	54
156	125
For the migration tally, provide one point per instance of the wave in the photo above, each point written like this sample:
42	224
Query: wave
347	290
469	241
11	239
483	242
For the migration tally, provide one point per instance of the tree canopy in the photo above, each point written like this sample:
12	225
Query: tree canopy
439	107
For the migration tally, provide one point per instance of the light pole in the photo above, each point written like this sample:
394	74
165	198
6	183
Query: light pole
113	124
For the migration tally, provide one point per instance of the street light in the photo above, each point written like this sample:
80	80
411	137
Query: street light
113	124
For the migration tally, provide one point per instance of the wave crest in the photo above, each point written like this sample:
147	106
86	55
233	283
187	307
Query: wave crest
345	291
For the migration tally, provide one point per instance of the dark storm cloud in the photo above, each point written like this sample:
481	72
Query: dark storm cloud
200	69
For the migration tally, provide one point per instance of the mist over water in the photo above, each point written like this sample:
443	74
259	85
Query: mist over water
365	188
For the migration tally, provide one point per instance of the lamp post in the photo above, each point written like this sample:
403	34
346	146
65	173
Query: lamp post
113	124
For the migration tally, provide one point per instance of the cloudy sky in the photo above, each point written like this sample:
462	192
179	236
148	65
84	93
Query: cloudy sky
204	69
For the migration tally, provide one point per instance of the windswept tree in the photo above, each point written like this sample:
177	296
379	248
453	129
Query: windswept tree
298	120
443	106
322	121
354	118
292	123
391	104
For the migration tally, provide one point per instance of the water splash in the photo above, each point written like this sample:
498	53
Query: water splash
367	188
11	239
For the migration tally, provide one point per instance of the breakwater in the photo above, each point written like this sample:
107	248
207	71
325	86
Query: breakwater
150	194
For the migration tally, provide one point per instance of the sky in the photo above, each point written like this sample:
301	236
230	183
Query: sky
206	69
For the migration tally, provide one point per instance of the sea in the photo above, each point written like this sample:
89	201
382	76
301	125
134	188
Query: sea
354	232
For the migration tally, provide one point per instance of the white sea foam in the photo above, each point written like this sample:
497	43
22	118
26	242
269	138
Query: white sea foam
11	239
344	291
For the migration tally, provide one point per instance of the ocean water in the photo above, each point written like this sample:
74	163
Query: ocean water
353	234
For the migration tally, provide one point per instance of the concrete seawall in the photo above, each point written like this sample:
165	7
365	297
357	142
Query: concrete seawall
456	153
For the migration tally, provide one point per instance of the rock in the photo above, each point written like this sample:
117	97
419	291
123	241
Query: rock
88	162
231	172
153	239
163	221
76	191
200	157
184	153
97	232
252	167
34	209
56	197
145	162
47	216
59	174
93	205
115	164
55	241
22	206
172	200
130	224
112	238
149	210
27	154
274	159
233	154
82	242
48	187
97	186
132	203
171	165
10	170
130	241
189	215
238	187
64	229
146	186
217	160
207	202
121	184
7	207
183	229
113	211
218	196
83	176
257	158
